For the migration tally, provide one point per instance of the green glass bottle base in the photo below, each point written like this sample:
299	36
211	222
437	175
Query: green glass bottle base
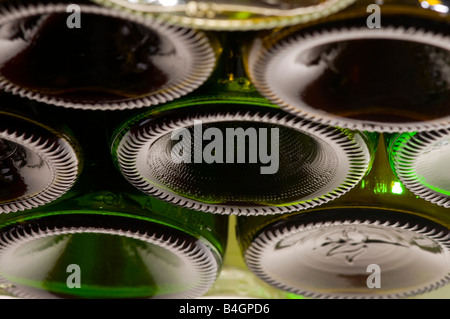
103	256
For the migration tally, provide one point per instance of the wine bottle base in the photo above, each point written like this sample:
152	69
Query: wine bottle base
95	255
342	73
349	253
287	165
113	60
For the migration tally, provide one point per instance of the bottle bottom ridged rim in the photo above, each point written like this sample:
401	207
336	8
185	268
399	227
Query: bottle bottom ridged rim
262	62
333	254
58	154
427	179
195	256
135	140
200	55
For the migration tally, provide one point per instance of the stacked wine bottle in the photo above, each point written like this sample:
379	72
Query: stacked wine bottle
143	144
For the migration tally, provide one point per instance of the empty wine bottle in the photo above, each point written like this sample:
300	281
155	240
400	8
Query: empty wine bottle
227	150
40	159
377	241
378	67
232	15
91	57
105	239
420	161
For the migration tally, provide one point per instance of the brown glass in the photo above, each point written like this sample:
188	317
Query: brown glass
324	252
391	78
106	59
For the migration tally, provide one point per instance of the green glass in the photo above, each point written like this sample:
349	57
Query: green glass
104	239
40	159
374	66
377	241
309	164
236	281
87	56
420	161
232	15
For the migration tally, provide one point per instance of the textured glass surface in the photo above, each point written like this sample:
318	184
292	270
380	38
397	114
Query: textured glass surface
109	259
111	61
309	164
23	173
330	258
379	240
394	78
420	160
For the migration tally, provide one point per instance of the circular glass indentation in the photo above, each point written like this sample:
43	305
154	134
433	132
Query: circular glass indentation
101	256
420	161
353	253
251	161
392	79
105	59
23	174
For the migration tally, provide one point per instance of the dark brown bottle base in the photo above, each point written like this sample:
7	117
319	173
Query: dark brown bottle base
390	79
112	60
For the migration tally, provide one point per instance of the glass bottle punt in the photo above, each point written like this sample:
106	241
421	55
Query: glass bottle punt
232	15
88	56
380	67
378	241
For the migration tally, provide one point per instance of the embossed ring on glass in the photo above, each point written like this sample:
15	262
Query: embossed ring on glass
105	239
88	56
233	152
232	14
375	67
421	161
377	241
39	160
